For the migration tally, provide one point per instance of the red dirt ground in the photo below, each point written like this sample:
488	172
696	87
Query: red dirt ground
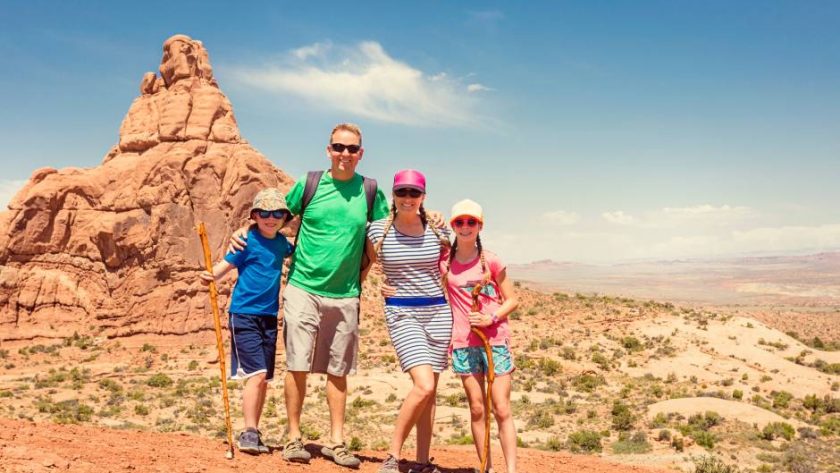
30	447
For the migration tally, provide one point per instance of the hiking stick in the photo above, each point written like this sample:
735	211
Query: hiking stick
214	303
491	375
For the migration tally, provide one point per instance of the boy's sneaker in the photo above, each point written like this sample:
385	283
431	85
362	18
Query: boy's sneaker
390	465
295	452
341	456
249	441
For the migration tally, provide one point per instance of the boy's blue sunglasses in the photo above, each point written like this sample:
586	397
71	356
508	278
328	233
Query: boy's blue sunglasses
278	214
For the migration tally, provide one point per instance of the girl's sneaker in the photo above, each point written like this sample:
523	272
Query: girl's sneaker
249	441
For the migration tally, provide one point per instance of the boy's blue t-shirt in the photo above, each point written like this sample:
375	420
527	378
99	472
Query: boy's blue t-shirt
260	266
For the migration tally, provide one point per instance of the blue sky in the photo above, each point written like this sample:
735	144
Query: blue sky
590	131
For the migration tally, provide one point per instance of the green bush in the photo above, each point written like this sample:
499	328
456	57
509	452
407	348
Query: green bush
775	430
704	439
622	418
159	380
781	399
710	464
636	444
588	382
586	441
541	419
631	344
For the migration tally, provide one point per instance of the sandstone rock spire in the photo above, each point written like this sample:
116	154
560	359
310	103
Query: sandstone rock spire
112	249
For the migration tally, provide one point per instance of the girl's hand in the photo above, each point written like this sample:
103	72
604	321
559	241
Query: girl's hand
206	278
387	290
477	319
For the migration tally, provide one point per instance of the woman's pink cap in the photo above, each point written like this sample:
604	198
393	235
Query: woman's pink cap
409	178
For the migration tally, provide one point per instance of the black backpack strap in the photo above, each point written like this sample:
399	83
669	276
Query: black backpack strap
313	178
370	193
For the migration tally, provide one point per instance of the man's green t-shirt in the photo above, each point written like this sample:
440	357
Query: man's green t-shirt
329	249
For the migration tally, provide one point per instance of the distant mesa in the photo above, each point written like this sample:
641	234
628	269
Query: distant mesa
113	249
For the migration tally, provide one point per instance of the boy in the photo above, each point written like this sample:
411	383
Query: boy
253	308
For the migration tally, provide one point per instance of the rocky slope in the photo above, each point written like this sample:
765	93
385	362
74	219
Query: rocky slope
113	250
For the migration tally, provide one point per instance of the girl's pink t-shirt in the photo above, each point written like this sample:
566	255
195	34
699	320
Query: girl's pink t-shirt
461	280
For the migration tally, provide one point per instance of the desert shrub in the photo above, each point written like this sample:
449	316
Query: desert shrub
830	426
585	440
70	411
703	438
622	418
705	421
631	344
664	435
711	464
541	419
159	380
632	445
599	359
588	382
781	399
775	430
193	365
149	348
549	367
568	353
110	385
678	444
737	394
553	443
807	433
355	444
141	410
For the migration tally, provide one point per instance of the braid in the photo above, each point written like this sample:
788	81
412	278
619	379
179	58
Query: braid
449	263
388	224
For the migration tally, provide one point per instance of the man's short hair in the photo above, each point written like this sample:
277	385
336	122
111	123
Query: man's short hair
351	127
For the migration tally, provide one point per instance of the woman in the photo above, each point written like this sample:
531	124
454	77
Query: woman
417	315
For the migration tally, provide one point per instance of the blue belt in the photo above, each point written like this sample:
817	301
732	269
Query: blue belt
414	301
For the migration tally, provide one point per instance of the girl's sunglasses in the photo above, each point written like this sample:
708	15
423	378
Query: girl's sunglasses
406	192
460	222
340	147
278	214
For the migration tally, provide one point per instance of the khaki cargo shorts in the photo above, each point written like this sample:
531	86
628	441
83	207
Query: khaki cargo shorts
321	334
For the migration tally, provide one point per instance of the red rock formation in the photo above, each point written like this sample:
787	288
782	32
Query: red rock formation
112	250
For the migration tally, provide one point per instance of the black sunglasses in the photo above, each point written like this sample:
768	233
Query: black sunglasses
340	147
461	222
278	214
405	192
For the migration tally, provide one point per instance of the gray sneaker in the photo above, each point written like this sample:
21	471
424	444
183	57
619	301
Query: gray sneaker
261	446
341	456
249	441
390	465
294	452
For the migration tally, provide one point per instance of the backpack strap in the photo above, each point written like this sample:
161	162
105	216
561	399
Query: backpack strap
313	178
370	194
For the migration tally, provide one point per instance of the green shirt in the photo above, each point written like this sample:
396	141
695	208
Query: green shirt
329	249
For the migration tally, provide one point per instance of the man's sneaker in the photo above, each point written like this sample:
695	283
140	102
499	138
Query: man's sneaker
427	467
390	465
294	452
249	441
341	456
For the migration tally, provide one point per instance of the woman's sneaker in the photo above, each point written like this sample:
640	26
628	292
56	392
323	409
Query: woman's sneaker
249	441
427	467
341	456
295	452
390	465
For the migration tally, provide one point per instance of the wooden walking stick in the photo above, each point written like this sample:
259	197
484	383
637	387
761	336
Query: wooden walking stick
208	263
491	375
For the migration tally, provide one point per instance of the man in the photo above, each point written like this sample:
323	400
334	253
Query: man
321	299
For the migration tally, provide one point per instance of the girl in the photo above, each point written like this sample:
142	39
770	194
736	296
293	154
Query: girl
470	268
418	317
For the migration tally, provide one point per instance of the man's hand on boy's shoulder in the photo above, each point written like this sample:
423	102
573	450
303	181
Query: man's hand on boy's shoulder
238	241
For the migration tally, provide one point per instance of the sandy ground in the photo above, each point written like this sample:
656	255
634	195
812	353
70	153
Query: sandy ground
31	447
688	406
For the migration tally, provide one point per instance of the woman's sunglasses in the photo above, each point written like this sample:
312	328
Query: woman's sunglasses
460	222
406	192
340	147
278	214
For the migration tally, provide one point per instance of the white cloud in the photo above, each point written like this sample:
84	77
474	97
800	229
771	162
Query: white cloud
472	88
8	189
786	238
560	217
366	81
618	217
